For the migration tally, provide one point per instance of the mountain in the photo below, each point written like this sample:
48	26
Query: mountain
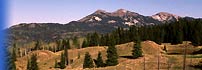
100	21
119	17
165	17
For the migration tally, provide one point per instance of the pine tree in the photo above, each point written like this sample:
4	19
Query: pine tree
11	62
75	42
112	56
56	64
66	53
62	61
59	45
32	65
12	65
67	44
28	64
103	40
37	45
99	61
88	61
14	56
93	39
137	52
84	44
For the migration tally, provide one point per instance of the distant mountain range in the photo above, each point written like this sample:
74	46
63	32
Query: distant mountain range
100	21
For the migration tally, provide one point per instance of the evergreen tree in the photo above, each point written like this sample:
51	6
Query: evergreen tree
66	53
112	56
84	44
28	64
93	39
103	40
11	62
62	61
75	42
56	64
14	56
12	65
137	51
32	65
88	61
67	44
59	45
37	45
99	61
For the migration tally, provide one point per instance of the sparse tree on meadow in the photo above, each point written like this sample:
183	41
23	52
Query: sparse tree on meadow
56	64
62	61
32	63
99	61
66	52
137	51
88	61
112	56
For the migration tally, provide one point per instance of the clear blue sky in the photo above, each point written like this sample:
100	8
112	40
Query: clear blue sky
64	11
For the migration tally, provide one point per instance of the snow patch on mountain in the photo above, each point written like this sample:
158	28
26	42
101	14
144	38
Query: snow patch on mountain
135	21
97	18
129	23
111	21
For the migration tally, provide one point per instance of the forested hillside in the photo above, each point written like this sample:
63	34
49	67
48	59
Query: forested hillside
174	33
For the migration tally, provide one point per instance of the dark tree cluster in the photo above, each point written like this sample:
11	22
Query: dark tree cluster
112	59
61	44
63	62
64	56
173	32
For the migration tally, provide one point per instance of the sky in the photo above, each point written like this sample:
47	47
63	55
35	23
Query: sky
64	11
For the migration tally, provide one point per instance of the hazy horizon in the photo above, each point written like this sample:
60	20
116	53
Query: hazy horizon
52	11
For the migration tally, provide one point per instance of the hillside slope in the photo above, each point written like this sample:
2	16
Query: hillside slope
150	50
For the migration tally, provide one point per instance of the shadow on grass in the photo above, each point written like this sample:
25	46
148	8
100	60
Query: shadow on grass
128	57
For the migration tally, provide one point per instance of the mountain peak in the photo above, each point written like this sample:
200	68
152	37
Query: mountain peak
121	11
165	16
100	11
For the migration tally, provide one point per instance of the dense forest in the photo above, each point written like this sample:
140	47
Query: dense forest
174	33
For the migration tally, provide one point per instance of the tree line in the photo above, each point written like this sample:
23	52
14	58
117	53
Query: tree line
173	32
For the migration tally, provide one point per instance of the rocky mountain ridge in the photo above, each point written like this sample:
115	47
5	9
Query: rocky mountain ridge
100	21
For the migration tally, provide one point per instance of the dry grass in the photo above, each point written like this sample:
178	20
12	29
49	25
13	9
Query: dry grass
151	52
